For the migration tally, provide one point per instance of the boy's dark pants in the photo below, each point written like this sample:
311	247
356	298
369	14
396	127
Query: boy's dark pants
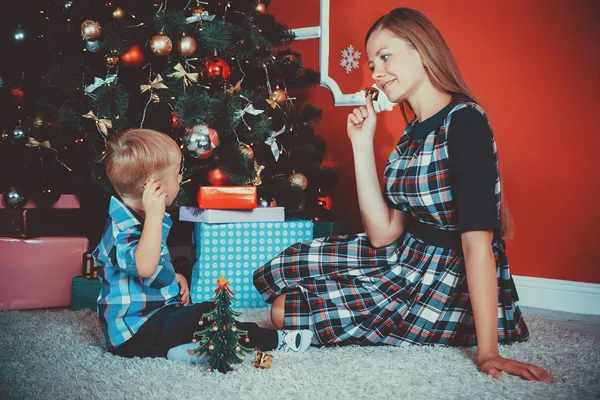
175	325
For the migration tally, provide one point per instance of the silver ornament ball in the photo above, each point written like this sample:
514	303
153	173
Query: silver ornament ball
20	132
14	197
197	142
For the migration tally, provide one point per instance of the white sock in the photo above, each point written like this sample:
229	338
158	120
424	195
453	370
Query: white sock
294	341
185	352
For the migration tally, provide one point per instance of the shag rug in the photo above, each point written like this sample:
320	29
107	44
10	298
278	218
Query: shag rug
60	354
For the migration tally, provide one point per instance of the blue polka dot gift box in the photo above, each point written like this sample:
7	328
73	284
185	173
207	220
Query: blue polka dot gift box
236	250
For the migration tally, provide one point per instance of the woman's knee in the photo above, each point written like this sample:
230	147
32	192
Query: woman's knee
278	312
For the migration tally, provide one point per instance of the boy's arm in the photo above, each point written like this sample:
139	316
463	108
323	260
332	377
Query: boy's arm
147	254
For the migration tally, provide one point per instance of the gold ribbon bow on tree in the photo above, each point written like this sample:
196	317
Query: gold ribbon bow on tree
157	83
31	142
101	123
188	77
257	181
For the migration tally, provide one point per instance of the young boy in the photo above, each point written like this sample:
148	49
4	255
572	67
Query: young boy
144	306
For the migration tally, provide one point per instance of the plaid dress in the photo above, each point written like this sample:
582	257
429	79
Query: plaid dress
408	292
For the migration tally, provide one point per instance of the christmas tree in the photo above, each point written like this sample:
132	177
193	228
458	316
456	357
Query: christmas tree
220	342
218	76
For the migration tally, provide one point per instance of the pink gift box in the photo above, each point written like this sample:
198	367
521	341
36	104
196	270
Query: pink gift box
37	273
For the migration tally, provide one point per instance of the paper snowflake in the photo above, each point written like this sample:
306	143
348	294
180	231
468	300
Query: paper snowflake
350	59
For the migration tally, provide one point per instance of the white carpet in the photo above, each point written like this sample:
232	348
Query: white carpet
60	354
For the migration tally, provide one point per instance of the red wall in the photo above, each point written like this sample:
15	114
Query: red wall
535	67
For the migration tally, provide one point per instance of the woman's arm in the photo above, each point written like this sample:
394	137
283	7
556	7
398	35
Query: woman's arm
483	291
483	288
382	223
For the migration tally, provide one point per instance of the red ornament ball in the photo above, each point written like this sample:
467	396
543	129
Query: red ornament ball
134	57
175	122
216	177
325	202
17	94
216	67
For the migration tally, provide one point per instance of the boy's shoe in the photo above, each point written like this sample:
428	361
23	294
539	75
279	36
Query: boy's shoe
185	352
294	341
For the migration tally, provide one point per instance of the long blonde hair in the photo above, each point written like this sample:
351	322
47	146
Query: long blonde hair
441	67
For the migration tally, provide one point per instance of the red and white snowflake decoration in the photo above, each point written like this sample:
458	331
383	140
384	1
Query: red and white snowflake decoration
350	59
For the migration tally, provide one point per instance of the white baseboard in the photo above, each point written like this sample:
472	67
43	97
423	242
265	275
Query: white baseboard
558	295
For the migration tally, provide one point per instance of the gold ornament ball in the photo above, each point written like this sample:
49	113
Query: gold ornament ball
238	348
234	328
201	322
90	30
211	347
260	8
208	369
186	46
247	151
299	180
111	60
289	59
161	45
247	340
279	96
197	10
215	328
118	13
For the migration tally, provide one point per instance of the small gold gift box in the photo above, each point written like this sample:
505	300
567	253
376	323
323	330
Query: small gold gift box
262	360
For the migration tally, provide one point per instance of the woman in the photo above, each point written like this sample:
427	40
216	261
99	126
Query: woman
432	264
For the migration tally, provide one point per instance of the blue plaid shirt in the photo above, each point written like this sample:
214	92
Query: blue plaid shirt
127	300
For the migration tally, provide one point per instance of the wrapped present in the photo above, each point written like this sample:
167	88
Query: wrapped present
84	293
227	197
332	228
213	216
236	250
13	223
37	273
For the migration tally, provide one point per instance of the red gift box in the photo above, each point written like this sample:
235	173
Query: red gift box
227	197
37	273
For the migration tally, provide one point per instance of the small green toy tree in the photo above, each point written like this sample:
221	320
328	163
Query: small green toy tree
220	342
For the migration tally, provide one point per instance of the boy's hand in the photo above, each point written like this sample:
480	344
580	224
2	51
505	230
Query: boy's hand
154	199
184	291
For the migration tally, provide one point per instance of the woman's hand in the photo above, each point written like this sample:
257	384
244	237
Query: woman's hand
362	122
184	291
494	365
154	199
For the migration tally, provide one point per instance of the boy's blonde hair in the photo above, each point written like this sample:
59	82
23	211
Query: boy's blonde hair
135	155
